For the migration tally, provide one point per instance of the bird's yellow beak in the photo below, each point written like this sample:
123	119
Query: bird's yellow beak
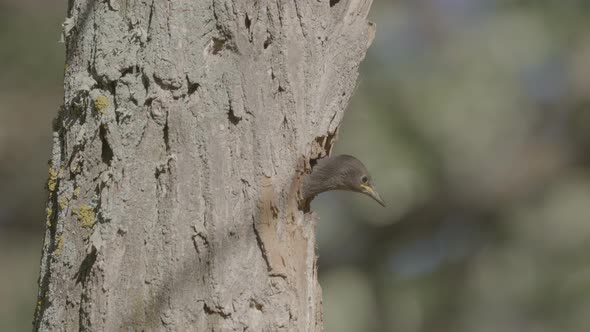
368	190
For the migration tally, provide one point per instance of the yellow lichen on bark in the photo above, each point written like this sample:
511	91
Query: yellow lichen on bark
49	212
60	244
52	181
63	202
85	215
101	102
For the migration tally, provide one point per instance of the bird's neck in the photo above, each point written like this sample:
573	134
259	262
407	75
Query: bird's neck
320	180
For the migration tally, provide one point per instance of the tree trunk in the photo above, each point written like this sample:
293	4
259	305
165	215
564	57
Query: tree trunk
177	159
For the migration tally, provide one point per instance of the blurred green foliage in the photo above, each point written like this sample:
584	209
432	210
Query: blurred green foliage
474	119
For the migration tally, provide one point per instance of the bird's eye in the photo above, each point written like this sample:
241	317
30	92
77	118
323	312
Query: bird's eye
364	179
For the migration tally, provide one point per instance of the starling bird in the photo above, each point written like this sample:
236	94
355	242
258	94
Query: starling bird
339	173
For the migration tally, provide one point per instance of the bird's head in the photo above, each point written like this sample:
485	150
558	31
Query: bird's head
353	175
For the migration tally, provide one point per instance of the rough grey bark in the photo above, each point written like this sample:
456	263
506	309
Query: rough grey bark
177	159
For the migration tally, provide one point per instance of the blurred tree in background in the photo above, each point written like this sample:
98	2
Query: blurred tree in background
474	119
